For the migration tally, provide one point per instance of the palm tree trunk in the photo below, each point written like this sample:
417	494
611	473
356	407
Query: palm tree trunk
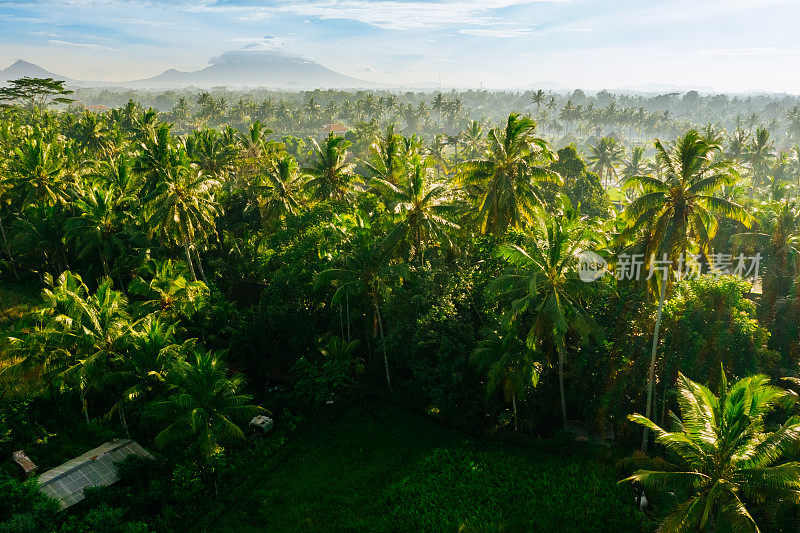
200	267
383	341
84	405
561	387
652	373
514	405
347	299
122	419
8	250
189	259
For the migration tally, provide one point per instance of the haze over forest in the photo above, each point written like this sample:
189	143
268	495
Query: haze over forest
399	266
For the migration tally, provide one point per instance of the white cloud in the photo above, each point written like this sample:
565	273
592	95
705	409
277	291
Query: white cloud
79	45
413	15
499	33
764	52
270	45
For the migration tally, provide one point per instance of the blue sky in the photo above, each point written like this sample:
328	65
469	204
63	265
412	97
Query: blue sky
731	45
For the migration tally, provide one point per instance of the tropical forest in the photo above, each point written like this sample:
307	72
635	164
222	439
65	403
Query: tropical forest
331	309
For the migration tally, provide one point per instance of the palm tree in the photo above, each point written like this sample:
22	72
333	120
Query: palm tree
99	226
635	164
366	275
184	208
164	290
538	98
386	160
760	154
41	171
677	212
151	354
203	404
283	191
721	455
605	156
329	170
422	205
254	141
779	244
545	286
504	180
472	139
508	365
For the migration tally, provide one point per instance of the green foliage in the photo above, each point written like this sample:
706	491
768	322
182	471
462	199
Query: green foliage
456	489
722	461
24	509
710	321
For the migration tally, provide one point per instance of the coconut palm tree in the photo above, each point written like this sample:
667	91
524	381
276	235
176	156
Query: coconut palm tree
538	98
161	288
677	212
422	206
386	161
472	139
203	405
635	164
365	276
282	195
329	170
41	171
604	158
508	364
779	245
545	286
721	457
761	152
254	141
503	181
183	209
99	227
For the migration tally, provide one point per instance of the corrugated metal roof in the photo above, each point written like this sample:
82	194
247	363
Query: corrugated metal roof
95	468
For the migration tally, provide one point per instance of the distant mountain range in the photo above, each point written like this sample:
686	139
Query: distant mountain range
265	63
21	69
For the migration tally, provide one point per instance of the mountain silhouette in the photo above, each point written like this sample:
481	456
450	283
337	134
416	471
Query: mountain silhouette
21	69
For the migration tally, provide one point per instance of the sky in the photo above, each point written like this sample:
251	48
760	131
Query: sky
725	45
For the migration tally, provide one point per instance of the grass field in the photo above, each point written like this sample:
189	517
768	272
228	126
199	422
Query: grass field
378	468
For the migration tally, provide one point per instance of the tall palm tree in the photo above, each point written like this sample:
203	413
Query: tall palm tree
99	227
422	205
760	154
184	208
635	164
721	455
40	170
386	161
283	192
604	158
329	170
472	139
254	141
504	180
779	244
677	212
365	275
538	98
546	287
509	365
203	405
